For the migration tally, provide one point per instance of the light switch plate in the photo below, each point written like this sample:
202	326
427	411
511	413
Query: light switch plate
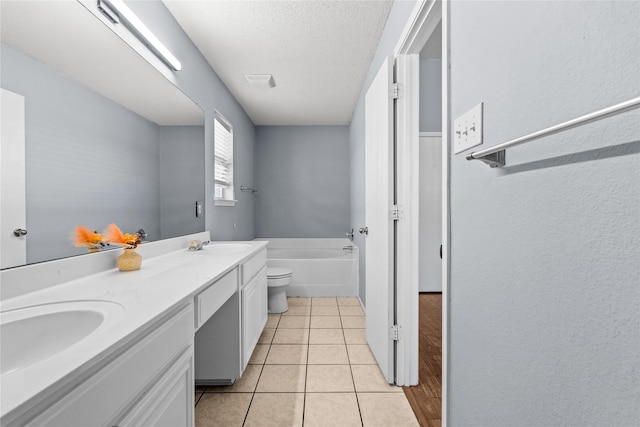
467	130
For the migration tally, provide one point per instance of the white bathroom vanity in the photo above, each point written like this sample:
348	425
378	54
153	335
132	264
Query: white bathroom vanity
86	344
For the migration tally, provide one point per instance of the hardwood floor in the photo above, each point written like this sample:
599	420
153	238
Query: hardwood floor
426	397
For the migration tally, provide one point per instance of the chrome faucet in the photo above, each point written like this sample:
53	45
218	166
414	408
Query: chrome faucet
197	245
348	248
349	235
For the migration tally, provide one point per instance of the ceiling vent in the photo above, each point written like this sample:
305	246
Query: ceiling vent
260	81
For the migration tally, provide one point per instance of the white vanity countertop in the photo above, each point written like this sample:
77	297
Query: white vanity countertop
164	284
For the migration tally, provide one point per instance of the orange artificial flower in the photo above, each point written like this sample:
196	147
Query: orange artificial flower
114	235
85	237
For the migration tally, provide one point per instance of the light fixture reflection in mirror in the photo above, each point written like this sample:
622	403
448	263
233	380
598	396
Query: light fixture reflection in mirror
89	160
118	12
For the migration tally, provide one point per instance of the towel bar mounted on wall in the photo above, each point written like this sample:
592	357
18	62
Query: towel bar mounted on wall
495	156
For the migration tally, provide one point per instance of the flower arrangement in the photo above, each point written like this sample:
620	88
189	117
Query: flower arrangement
112	235
95	241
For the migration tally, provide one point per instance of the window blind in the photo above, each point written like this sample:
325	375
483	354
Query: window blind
223	153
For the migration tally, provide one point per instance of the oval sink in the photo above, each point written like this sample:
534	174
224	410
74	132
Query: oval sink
227	248
31	334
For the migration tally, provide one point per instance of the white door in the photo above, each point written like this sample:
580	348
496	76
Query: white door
379	196
13	249
430	274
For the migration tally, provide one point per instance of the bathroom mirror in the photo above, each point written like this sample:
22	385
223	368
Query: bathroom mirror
108	139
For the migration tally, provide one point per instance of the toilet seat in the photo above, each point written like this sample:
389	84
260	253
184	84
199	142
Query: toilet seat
278	273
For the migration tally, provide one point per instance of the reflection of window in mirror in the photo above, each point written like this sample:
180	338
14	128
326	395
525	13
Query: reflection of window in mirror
223	142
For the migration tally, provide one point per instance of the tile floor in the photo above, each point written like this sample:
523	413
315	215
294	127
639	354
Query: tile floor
311	367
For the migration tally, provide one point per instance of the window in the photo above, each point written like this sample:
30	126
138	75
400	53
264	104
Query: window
223	142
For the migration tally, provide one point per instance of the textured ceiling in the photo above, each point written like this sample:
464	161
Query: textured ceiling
318	52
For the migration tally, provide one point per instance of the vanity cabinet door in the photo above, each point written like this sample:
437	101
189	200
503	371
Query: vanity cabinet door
254	313
109	393
169	403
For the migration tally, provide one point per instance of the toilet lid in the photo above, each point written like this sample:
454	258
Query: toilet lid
278	272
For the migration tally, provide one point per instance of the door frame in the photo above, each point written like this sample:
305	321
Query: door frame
424	19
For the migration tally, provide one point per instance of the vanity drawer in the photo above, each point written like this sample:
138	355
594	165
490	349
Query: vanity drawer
212	298
253	266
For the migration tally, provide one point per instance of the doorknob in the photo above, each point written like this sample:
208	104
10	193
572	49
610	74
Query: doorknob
364	230
19	232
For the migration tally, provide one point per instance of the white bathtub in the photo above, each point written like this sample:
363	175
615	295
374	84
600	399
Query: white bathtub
321	267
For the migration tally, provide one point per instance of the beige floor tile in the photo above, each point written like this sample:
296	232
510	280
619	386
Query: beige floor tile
222	409
383	410
360	354
291	336
287	354
324	310
329	378
245	384
351	322
331	409
369	378
297	310
294	322
272	320
355	336
328	354
298	301
349	301
276	409
282	379
196	396
259	354
326	322
324	301
266	336
326	336
351	310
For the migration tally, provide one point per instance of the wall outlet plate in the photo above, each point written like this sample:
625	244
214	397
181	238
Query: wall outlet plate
467	130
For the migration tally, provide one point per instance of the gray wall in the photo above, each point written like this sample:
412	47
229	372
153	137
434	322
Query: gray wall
545	291
200	82
81	169
302	178
181	152
395	24
430	95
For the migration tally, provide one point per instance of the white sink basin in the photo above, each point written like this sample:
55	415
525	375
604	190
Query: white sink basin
227	248
31	334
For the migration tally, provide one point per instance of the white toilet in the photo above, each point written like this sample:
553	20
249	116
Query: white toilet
277	281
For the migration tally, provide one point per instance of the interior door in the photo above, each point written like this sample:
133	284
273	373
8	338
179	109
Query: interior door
430	274
13	249
379	197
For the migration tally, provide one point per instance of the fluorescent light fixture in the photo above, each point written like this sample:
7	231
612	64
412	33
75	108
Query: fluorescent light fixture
260	81
117	11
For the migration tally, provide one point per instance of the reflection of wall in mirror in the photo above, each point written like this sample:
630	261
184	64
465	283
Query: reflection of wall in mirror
89	161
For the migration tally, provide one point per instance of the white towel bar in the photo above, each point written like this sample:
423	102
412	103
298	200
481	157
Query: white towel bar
494	156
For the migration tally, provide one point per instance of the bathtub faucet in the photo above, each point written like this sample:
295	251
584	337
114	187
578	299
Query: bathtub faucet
348	248
350	235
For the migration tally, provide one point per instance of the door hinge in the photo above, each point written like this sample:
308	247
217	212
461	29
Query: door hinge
395	212
395	91
395	333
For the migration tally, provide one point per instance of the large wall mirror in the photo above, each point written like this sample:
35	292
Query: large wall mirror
107	138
